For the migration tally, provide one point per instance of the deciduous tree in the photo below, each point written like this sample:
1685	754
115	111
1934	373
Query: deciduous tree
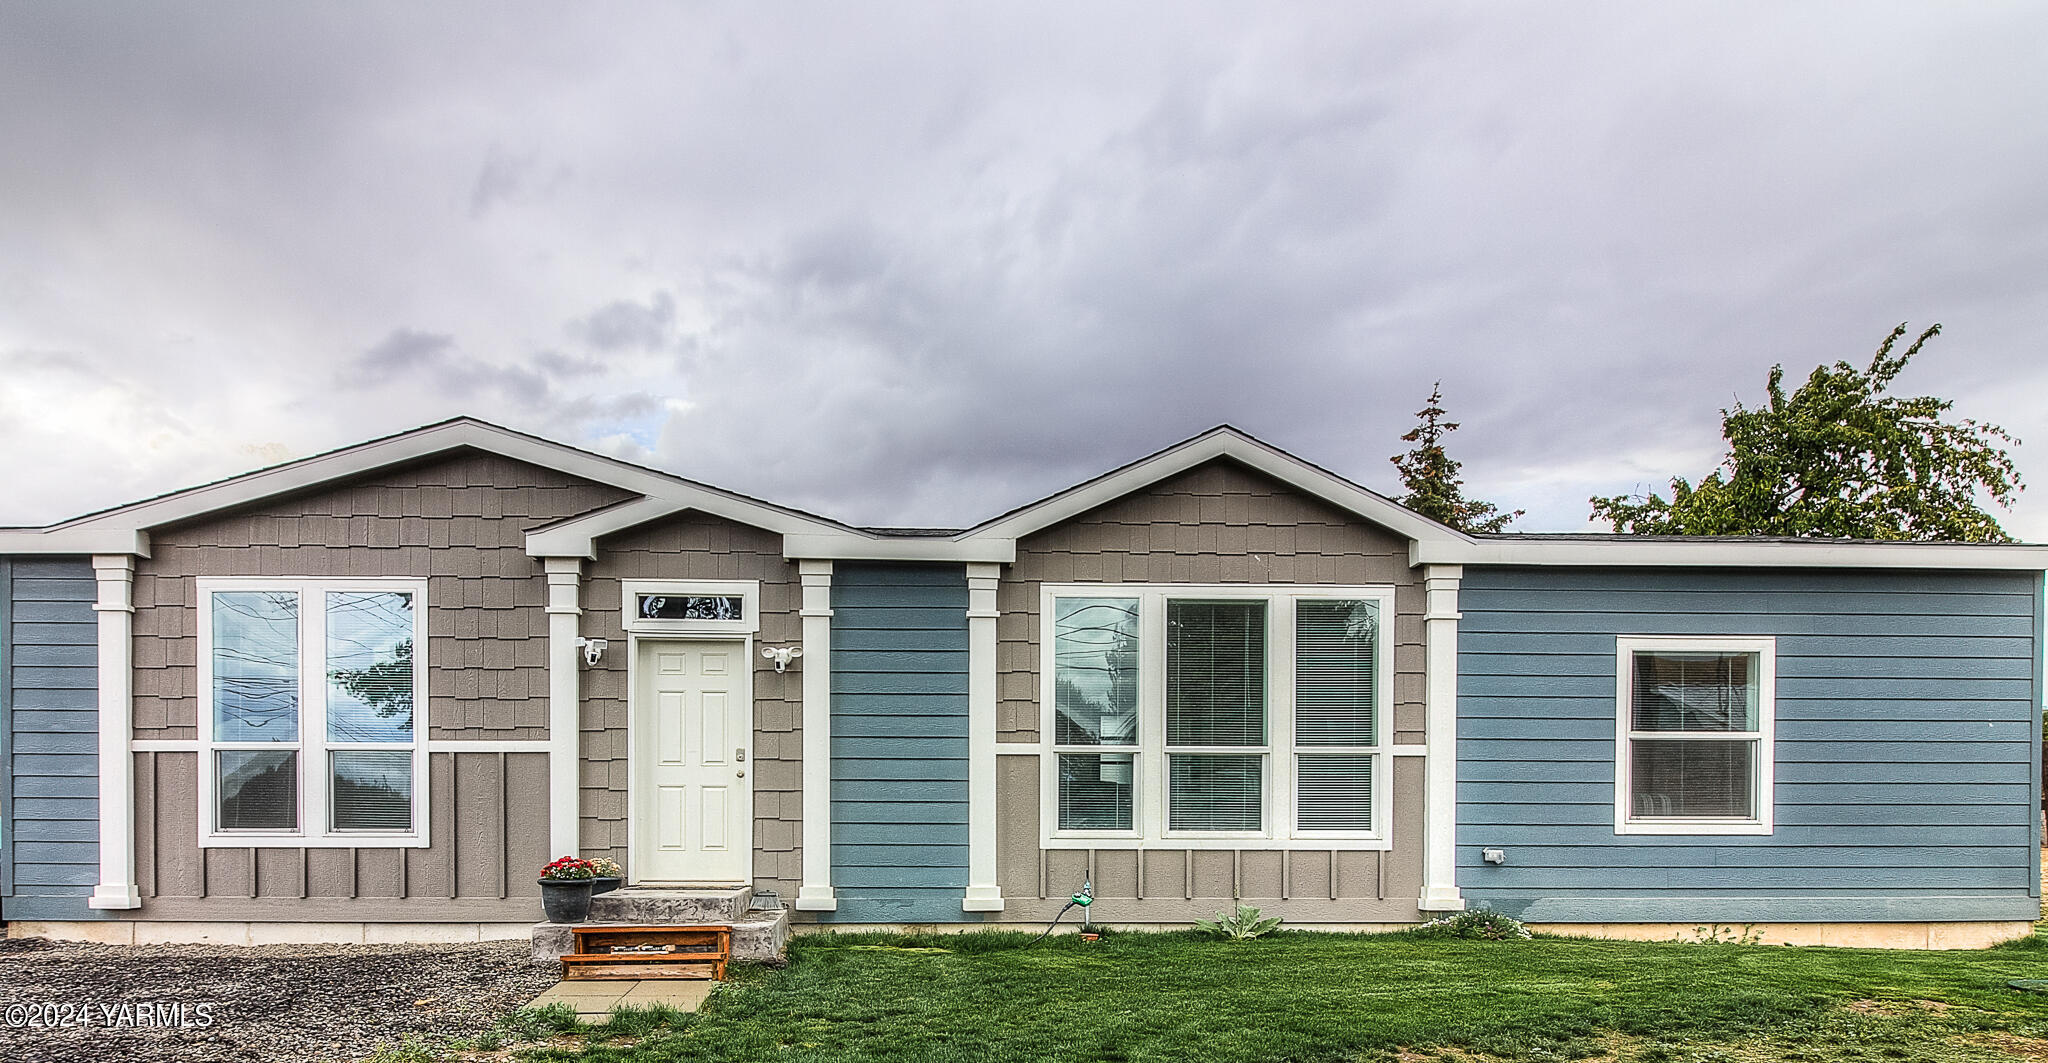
1840	458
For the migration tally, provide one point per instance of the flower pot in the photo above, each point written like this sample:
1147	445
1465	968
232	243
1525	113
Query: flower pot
604	884
566	900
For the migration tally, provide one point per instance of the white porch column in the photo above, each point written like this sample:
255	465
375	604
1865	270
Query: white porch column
565	685
983	894
1440	764
815	892
115	606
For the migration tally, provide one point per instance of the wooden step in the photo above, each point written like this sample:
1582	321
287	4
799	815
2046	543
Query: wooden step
698	952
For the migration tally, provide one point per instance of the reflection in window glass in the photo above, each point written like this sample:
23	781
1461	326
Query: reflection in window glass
1095	671
691	607
256	666
258	789
373	790
369	666
1095	791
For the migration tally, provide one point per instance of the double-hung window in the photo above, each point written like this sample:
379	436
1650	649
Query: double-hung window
309	723
1197	717
1693	736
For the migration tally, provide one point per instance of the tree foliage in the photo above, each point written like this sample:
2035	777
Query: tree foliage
1434	488
1840	458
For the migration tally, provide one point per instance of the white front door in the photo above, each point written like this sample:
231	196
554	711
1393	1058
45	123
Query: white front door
692	799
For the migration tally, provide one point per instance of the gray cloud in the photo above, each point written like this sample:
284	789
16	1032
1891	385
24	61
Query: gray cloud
625	324
922	265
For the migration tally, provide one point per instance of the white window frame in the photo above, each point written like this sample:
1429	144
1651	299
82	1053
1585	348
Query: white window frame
748	591
1149	812
313	749
1766	652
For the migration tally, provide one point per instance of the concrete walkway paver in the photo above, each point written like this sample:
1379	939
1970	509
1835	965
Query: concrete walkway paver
594	1000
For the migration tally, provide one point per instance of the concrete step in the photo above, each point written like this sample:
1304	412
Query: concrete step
671	906
759	936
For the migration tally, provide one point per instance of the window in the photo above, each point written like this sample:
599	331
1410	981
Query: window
309	726
690	607
1693	751
1191	717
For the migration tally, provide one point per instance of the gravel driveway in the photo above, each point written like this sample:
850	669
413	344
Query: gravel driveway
74	1003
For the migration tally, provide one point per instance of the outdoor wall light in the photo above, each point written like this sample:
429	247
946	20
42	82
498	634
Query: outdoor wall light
782	655
1494	856
593	650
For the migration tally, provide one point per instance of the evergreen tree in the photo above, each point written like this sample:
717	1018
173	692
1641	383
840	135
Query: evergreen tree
1840	458
1431	476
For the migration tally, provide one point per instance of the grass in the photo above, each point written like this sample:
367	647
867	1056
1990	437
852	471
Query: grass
1327	997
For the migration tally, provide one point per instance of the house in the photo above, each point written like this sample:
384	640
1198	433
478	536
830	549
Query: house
366	695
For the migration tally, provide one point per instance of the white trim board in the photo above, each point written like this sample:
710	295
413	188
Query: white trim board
315	780
1765	768
1278	753
1725	553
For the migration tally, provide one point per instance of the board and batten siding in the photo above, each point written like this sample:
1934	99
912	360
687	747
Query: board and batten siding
459	521
1218	523
49	767
1908	737
899	743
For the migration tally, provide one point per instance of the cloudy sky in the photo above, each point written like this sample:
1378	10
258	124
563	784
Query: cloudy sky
917	263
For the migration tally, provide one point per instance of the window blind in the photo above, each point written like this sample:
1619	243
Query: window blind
1335	686
1216	791
1333	791
1215	673
1095	791
1694	692
373	790
1696	778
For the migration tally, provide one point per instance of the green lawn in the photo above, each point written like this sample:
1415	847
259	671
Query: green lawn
1308	996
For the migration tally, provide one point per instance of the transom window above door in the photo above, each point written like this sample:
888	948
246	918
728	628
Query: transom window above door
690	607
1195	717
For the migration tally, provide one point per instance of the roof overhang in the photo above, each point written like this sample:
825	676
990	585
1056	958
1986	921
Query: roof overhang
124	530
1224	442
1724	553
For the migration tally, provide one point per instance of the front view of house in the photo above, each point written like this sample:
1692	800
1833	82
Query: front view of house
367	695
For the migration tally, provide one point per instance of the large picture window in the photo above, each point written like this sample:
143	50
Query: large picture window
1199	716
310	727
1693	752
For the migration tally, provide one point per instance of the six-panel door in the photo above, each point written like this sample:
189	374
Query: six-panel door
692	805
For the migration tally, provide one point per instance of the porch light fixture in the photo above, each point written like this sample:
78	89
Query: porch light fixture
782	655
593	650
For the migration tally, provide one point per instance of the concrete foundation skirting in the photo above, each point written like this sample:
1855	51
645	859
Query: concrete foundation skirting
1067	926
1841	935
138	932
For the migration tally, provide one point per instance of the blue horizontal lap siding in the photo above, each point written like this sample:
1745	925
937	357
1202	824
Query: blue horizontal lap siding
899	743
1908	729
49	826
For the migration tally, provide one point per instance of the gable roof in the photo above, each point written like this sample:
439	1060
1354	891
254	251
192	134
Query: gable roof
1222	441
125	529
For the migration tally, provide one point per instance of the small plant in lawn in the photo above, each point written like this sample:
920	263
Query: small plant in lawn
640	1021
1716	934
569	868
534	1024
1480	923
1240	924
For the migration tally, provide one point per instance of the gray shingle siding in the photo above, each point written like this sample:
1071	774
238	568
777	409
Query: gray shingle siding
899	742
1908	727
48	682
